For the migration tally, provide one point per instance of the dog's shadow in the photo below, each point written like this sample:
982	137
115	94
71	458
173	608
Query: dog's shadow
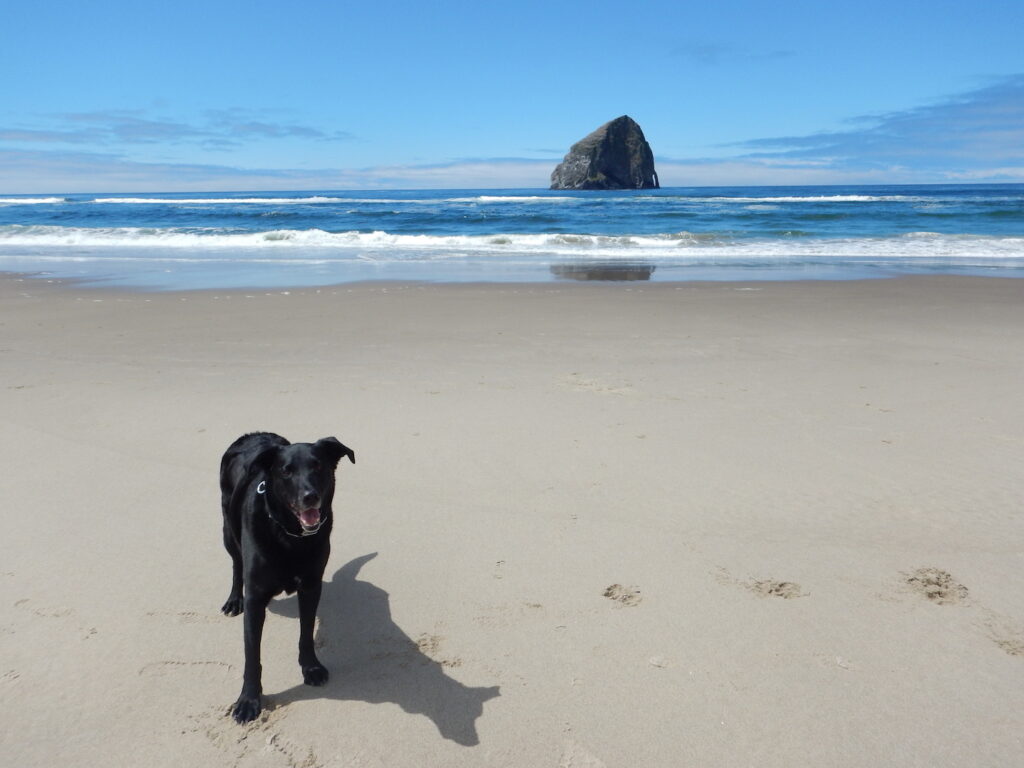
371	659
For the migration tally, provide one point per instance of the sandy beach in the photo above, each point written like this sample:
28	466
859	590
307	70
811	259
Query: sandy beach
719	524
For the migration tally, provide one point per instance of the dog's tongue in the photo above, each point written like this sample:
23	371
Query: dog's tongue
309	517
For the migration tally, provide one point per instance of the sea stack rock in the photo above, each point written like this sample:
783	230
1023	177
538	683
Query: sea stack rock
615	156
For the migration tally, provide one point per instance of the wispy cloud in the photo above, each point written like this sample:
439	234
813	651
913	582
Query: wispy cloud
42	136
243	124
975	136
130	127
32	171
965	133
216	129
747	172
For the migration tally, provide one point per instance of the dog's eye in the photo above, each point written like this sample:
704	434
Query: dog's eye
286	472
316	466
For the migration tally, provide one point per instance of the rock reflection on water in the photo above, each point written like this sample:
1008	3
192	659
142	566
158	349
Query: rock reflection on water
602	271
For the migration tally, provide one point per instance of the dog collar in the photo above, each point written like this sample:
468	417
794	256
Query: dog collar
261	489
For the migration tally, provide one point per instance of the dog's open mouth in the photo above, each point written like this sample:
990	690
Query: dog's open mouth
309	519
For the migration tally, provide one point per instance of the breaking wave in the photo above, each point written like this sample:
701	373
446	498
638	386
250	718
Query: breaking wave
218	200
816	199
349	244
31	200
314	200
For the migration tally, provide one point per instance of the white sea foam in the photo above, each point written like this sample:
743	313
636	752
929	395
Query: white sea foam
148	237
511	199
378	245
218	200
30	200
313	200
814	199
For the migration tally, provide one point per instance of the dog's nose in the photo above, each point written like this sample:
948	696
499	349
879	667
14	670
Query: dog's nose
310	499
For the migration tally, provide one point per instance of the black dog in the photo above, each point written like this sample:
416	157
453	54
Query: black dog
276	499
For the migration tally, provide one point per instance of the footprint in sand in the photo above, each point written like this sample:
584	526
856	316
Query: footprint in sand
253	741
55	612
936	586
46	613
1007	637
1004	632
628	596
787	590
430	646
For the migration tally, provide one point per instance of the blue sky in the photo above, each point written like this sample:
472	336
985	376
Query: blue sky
218	95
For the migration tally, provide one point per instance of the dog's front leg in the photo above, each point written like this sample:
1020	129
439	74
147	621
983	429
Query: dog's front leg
313	672
248	705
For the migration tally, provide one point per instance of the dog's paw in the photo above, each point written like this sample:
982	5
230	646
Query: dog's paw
246	709
232	607
315	674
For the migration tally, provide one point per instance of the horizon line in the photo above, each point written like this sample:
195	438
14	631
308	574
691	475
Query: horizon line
280	190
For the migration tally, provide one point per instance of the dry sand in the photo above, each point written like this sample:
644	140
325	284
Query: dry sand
590	525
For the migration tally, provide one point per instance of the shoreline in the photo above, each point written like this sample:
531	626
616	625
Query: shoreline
555	274
96	286
591	523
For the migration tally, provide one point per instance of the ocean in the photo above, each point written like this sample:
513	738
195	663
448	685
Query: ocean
305	239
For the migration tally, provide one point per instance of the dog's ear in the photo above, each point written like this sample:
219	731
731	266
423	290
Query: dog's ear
264	460
334	450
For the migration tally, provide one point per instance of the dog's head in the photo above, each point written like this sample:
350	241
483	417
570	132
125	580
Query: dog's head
299	481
